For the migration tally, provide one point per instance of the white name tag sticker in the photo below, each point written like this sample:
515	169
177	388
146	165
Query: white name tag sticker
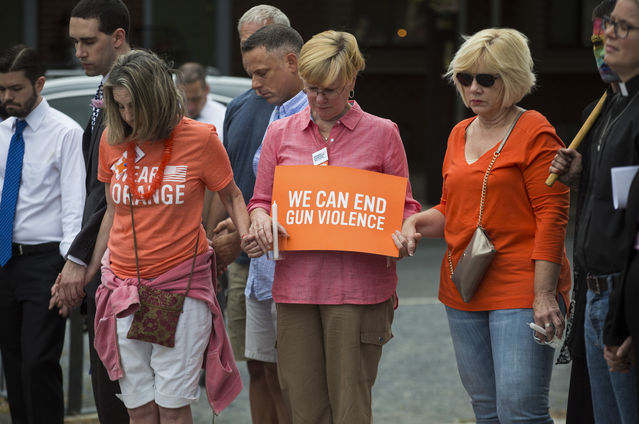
320	157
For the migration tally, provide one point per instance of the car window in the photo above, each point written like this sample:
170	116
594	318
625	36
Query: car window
72	95
77	107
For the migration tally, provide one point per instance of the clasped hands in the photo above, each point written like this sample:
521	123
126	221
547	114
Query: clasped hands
406	240
620	358
259	239
68	290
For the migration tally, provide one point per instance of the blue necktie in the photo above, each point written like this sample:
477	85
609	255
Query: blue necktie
10	189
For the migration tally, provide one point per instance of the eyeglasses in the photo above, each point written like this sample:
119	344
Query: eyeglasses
485	80
328	93
620	28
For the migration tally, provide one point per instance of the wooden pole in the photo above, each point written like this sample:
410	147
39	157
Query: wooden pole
581	134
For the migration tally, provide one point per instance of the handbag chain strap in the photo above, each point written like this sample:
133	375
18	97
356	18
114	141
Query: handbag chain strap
135	249
485	182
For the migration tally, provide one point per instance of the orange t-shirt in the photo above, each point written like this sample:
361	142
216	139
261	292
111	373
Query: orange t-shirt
166	225
525	219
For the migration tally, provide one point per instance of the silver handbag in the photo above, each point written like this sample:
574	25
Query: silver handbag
473	264
479	252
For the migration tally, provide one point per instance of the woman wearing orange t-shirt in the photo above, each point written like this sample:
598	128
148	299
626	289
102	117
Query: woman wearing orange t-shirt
155	165
503	369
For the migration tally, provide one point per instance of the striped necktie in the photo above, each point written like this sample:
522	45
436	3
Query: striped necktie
10	189
96	110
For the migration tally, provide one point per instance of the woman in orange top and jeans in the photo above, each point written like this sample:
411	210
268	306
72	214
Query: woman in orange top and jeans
505	372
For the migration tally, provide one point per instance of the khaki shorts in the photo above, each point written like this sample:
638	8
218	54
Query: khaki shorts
327	359
261	330
236	308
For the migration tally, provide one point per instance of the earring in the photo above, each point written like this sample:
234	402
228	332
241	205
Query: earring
351	94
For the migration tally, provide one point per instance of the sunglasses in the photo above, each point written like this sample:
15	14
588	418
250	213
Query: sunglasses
485	80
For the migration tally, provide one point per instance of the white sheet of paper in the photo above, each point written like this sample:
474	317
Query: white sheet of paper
621	179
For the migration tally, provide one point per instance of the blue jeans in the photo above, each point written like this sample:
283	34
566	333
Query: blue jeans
505	372
614	394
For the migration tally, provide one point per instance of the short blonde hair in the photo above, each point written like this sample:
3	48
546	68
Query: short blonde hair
503	50
157	103
330	56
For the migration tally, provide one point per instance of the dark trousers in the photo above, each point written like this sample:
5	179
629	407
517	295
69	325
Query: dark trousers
630	295
579	409
31	338
110	409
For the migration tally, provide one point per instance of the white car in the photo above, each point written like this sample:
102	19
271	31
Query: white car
72	95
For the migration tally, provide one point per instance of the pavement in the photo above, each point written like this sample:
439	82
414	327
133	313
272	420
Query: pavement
417	381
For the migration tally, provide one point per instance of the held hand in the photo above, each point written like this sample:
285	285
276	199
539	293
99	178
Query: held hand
259	239
626	349
261	228
227	249
620	358
406	243
567	165
224	227
55	301
547	314
250	245
63	310
281	231
71	283
55	288
407	240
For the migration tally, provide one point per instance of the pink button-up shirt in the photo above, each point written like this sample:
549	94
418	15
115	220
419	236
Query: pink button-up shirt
117	298
358	140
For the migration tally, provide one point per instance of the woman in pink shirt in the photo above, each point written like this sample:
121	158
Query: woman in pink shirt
334	309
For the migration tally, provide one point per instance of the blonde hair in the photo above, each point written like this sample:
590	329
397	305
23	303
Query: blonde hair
330	56
157	103
503	50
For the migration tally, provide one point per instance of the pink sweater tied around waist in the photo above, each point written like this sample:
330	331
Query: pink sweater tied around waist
118	298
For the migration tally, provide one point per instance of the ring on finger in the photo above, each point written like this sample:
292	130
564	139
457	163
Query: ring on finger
547	325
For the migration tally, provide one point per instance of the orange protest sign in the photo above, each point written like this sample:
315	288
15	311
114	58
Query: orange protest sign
337	208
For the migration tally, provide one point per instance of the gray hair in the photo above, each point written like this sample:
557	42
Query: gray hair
263	14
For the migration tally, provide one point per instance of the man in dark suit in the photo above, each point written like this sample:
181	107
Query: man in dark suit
99	30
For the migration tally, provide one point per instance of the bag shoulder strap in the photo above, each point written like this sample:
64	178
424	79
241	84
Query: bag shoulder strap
510	129
485	182
492	162
197	242
135	249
